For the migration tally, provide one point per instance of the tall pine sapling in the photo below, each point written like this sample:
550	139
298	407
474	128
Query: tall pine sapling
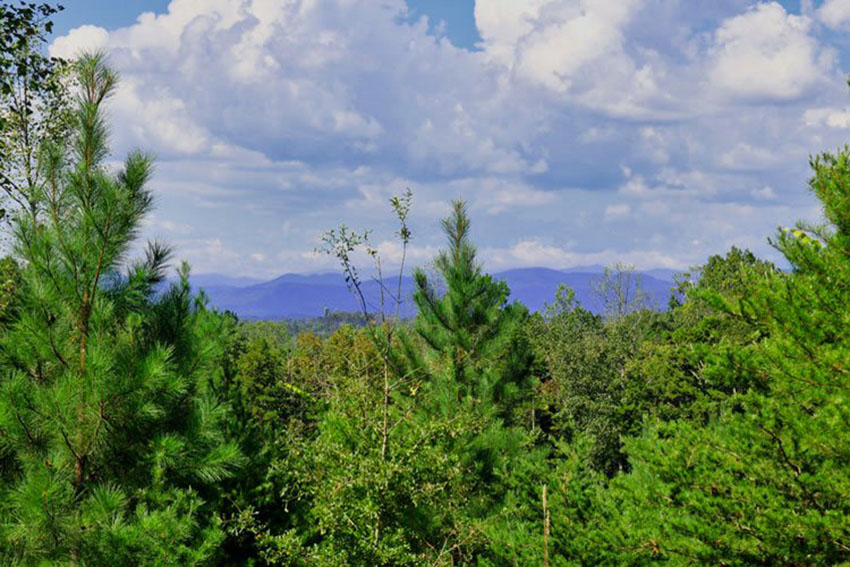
105	404
473	363
473	334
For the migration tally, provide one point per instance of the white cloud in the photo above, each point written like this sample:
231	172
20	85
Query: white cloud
835	13
550	40
831	117
746	157
765	193
165	125
686	126
617	211
578	34
332	81
503	23
535	252
79	40
575	48
767	54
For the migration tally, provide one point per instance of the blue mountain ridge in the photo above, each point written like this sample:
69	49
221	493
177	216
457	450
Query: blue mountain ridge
300	296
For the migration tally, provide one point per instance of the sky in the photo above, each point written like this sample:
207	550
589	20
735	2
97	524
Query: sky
653	132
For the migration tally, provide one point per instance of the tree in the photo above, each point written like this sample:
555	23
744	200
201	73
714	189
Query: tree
550	502
381	469
106	405
765	481
703	353
722	274
35	102
582	390
620	291
474	366
336	417
472	336
10	281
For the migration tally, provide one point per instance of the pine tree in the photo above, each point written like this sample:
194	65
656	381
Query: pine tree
474	365
473	337
107	417
765	482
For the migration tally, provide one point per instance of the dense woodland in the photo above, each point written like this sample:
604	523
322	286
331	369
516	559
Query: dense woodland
139	426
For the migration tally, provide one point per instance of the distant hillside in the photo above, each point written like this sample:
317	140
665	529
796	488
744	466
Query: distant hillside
298	296
221	280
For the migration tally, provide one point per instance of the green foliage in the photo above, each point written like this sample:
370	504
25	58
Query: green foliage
704	353
108	421
328	323
377	466
603	377
474	363
138	427
551	498
765	482
638	431
35	102
10	282
583	360
474	347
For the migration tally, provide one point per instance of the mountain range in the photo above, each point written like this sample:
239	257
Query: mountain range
300	296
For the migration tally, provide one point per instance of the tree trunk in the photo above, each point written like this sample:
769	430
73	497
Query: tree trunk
545	529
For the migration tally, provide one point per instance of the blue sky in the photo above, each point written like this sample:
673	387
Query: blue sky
655	132
453	18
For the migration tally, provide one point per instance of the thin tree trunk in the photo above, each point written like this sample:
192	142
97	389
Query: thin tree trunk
545	529
385	432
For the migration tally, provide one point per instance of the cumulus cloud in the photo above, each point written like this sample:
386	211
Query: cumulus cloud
551	42
79	40
332	81
831	117
577	49
835	13
768	54
580	131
